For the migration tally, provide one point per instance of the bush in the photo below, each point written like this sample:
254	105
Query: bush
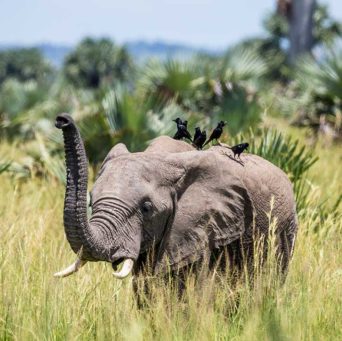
23	65
314	98
97	62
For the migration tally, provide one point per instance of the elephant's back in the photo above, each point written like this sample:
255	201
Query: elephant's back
269	187
166	144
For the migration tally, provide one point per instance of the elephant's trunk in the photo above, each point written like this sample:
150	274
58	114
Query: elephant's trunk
80	234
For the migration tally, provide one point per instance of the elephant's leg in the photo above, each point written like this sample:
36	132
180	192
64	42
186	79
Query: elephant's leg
247	261
235	258
143	288
139	292
282	254
144	285
231	260
285	251
198	270
227	258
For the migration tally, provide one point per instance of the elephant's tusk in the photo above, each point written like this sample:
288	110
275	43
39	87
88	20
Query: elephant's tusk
74	267
126	269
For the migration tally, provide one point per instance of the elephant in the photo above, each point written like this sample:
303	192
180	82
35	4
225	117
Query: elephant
185	205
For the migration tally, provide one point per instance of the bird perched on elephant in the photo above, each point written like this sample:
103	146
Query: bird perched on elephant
216	133
199	138
182	130
186	205
239	148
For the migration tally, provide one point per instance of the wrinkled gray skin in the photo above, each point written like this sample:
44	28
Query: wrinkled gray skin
186	204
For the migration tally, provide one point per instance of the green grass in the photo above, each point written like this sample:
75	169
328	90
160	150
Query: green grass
93	305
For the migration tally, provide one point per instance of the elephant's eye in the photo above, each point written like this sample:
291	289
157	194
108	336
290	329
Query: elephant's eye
146	207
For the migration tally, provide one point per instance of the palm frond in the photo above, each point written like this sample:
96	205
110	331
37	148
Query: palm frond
243	64
54	165
127	118
323	78
171	80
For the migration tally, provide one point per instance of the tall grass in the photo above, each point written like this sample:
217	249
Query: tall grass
93	305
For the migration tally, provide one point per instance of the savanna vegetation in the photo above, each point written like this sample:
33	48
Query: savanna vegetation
289	111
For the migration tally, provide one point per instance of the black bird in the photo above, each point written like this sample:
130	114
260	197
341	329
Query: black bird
239	148
178	135
197	133
217	132
200	139
182	131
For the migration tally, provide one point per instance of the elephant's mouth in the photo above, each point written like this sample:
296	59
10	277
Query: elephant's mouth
116	263
126	269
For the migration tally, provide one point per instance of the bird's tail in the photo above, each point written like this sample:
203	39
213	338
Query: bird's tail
226	146
206	143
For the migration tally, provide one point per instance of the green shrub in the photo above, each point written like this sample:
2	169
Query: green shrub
97	62
23	65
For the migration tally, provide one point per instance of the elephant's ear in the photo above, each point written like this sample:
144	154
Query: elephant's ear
118	150
210	214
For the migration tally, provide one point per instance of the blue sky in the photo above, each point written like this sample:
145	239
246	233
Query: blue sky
202	23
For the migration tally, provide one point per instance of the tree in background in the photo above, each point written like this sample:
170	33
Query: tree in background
23	65
25	79
306	24
278	45
97	62
299	14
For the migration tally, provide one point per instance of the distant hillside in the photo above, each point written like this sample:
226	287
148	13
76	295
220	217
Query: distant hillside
143	50
55	53
140	51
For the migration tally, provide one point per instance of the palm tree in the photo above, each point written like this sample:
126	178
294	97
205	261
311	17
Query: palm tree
24	65
301	28
320	84
97	62
171	80
314	97
208	86
135	121
309	25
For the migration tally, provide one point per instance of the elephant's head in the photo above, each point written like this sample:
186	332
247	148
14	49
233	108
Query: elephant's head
155	199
